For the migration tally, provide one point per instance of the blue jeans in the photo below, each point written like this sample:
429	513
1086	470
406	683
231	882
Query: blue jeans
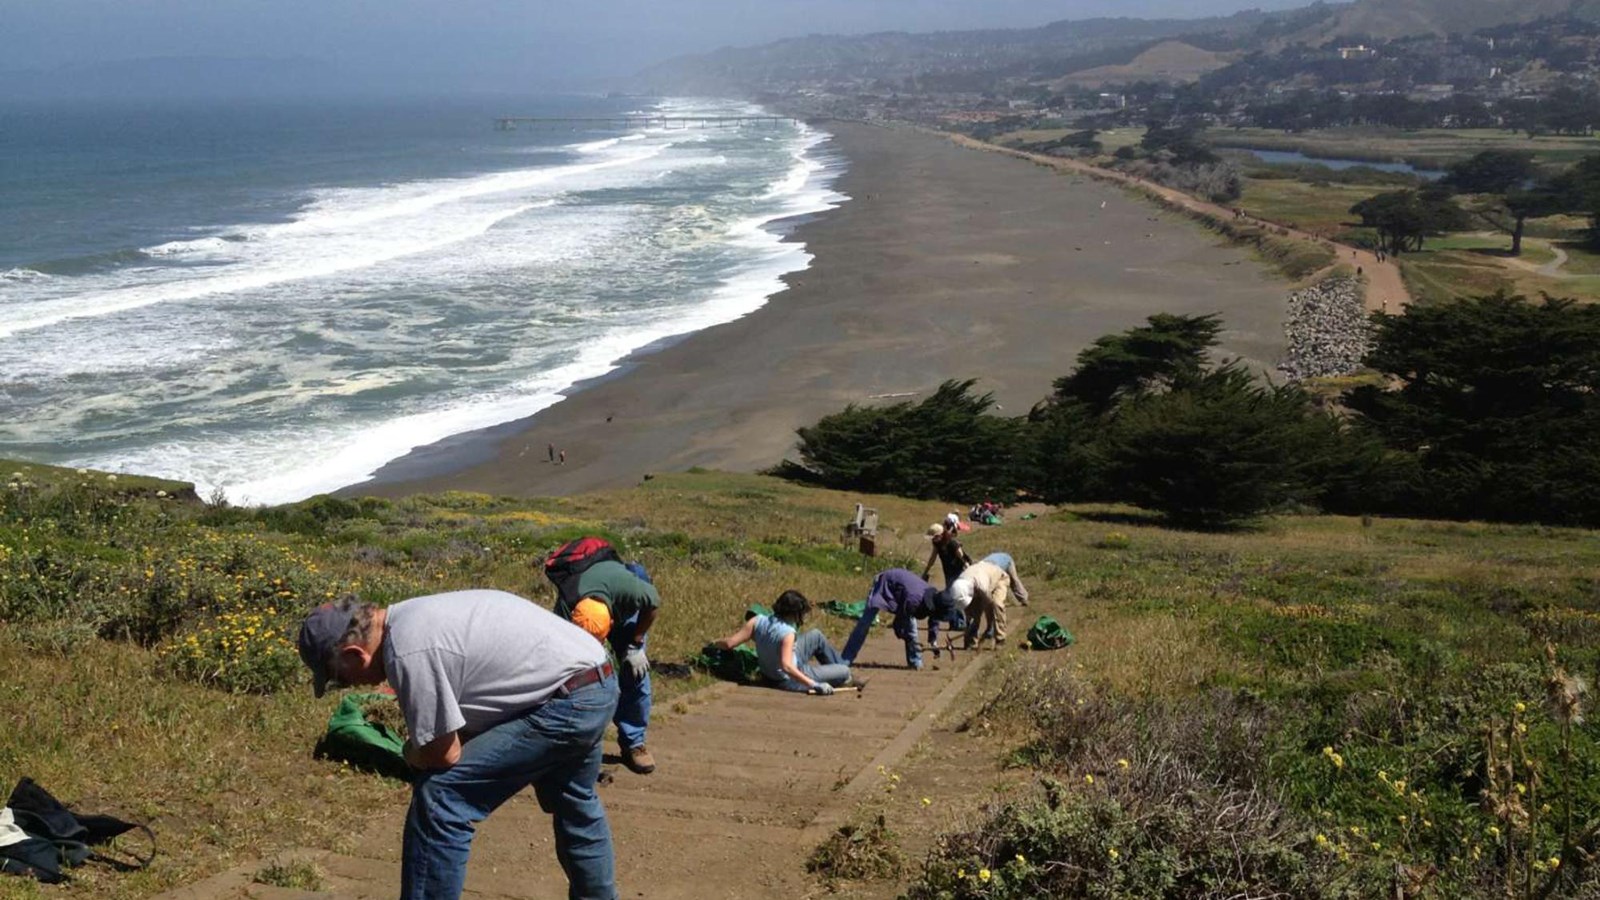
633	710
556	749
816	657
858	638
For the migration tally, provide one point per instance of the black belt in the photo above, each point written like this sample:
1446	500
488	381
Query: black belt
585	678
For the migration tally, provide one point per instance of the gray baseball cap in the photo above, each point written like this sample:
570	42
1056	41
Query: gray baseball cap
319	637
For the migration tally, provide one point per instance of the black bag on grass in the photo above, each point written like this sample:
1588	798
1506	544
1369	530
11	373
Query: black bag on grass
72	836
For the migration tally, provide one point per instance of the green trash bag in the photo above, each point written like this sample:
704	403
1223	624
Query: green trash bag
738	664
369	746
1047	634
843	609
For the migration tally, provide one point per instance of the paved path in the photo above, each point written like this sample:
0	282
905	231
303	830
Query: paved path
1386	290
749	781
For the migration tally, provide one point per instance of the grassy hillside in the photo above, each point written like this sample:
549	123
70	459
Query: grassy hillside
1403	18
145	641
1168	61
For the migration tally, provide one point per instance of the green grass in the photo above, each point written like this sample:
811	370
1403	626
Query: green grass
1318	208
1431	148
1323	621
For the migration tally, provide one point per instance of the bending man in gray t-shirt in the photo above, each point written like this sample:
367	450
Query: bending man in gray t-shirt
498	694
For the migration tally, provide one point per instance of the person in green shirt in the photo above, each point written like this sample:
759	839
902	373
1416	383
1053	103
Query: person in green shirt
633	602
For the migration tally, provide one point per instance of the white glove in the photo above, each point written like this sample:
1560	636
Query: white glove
822	688
637	665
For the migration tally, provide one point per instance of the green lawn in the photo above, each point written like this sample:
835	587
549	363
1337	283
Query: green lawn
1433	148
1318	208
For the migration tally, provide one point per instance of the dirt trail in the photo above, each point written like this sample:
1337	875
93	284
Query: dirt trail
1386	290
750	780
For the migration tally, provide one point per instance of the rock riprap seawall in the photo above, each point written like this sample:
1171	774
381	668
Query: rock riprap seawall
1328	330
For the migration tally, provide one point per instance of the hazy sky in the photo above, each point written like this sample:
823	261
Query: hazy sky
486	43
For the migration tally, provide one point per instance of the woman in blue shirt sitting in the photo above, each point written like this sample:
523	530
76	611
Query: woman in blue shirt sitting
788	659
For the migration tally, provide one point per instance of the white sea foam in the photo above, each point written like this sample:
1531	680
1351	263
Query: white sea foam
338	231
22	274
600	288
207	246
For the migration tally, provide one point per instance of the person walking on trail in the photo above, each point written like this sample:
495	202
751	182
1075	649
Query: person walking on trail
562	457
498	694
948	551
907	598
1014	581
981	594
551	449
788	659
630	603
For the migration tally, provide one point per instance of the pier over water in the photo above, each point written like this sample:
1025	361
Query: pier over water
512	123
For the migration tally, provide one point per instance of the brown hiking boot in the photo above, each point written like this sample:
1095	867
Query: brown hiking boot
638	759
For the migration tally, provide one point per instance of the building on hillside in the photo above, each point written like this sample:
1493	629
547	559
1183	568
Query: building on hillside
1424	93
1360	51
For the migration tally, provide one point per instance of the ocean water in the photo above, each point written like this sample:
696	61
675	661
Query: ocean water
276	301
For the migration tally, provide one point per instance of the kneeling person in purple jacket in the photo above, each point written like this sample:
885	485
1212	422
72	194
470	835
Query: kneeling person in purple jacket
901	594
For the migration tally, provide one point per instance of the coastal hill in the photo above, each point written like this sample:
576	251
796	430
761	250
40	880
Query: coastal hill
1087	52
1049	51
1168	61
1381	19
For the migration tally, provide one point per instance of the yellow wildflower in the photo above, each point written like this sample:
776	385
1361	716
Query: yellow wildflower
984	874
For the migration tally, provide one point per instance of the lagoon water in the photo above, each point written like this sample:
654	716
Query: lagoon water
1295	157
277	300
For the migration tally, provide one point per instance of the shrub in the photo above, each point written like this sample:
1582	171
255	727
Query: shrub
1153	798
1217	453
1498	410
946	447
244	653
857	853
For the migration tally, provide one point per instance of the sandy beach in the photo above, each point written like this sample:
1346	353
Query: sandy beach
946	263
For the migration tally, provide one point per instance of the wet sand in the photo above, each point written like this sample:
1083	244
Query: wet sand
946	263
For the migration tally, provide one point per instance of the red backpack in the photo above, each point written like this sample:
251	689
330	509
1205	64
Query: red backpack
570	560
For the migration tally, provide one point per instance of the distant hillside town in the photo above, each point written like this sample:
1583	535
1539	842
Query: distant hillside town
1530	66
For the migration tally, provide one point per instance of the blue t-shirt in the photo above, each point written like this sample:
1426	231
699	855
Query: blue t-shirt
1003	560
769	633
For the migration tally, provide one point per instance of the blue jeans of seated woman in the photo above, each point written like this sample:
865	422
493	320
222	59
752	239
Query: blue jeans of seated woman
817	658
555	748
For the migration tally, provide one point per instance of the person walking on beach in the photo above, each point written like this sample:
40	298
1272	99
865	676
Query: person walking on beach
948	551
906	598
498	694
631	603
788	659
